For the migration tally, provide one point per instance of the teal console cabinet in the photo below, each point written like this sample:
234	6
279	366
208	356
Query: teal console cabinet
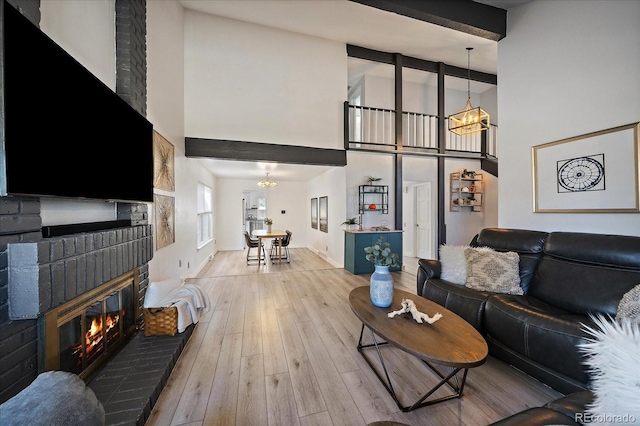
356	241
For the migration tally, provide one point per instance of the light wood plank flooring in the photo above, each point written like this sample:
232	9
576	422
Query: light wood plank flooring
278	347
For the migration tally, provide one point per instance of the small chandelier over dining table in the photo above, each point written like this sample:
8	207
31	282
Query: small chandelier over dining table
470	119
267	183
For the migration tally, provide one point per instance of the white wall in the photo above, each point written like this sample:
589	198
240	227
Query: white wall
254	83
287	196
86	30
165	109
379	92
566	68
329	244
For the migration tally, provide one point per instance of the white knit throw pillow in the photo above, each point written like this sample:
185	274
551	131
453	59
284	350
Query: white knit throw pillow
629	306
493	271
612	357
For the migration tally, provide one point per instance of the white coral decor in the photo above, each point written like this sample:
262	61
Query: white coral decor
613	358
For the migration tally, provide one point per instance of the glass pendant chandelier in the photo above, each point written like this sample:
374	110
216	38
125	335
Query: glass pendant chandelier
267	183
470	119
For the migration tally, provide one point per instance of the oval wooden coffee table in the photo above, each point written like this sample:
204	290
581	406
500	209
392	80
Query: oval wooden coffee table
449	342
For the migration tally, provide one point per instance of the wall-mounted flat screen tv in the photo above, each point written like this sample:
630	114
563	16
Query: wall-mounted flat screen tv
66	133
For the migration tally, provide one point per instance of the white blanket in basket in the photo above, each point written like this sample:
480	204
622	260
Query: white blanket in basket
190	301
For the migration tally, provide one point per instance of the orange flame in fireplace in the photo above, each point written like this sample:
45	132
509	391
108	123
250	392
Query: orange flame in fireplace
94	335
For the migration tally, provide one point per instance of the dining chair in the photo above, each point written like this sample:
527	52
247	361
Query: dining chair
253	243
273	253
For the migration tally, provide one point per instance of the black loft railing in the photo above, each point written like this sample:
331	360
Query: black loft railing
374	128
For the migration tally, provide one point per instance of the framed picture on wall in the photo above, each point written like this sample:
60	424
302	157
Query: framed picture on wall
323	214
314	213
163	159
165	220
592	173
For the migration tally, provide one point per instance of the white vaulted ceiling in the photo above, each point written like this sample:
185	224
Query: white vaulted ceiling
352	23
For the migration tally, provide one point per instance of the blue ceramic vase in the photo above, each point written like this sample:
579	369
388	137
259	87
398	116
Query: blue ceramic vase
381	287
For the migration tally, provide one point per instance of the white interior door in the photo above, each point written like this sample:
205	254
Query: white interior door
424	237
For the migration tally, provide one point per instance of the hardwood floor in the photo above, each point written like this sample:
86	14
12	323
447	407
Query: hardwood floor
278	347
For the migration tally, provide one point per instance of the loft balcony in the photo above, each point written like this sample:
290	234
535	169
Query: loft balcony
373	129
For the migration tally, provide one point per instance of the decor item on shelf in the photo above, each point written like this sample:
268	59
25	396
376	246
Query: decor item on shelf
269	223
470	119
408	306
372	206
468	174
466	190
373	179
267	183
381	281
352	223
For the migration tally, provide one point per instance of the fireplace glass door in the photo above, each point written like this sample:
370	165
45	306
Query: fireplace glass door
89	330
71	346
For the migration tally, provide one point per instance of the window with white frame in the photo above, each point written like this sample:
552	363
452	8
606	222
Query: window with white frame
205	215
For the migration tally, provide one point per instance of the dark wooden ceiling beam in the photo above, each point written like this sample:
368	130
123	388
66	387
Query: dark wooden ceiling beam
256	151
461	15
419	64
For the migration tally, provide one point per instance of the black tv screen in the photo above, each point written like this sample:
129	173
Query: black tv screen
67	134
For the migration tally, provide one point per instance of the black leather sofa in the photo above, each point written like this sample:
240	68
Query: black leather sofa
565	277
568	410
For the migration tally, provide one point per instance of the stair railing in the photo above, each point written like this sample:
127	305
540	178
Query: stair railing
374	128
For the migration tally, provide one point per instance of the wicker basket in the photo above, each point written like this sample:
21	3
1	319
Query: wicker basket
160	321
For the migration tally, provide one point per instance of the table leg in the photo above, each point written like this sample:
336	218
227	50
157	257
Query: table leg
422	402
260	251
280	250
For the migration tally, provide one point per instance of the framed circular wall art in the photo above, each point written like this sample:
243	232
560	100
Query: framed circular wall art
592	173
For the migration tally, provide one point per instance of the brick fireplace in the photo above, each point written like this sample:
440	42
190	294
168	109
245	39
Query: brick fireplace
38	275
83	334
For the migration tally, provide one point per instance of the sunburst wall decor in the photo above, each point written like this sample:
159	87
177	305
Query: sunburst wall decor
163	157
165	220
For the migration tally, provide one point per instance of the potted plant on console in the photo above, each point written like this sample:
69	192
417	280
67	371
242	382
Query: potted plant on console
381	282
352	223
268	222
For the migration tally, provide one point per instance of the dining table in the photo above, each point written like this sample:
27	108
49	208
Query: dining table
274	233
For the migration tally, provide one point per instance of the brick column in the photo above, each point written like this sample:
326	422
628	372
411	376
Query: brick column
131	53
19	222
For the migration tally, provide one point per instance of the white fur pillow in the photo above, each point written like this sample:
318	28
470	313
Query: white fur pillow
612	359
493	271
454	264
